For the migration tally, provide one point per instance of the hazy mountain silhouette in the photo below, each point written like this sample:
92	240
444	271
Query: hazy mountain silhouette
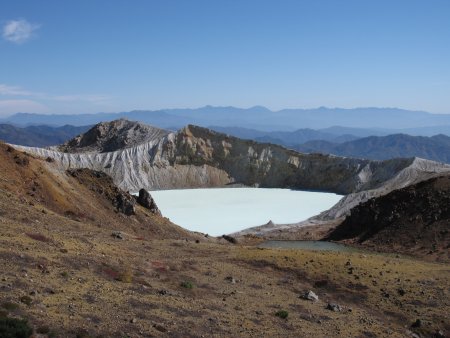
258	117
39	136
436	148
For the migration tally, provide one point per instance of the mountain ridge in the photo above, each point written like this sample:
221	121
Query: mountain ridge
254	117
111	136
39	135
436	148
198	157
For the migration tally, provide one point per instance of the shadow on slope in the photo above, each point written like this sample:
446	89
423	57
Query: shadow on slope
413	220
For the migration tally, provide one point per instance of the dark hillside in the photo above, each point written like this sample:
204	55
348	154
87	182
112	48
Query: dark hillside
413	220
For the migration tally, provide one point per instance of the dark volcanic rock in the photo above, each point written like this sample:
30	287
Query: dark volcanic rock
125	203
102	184
229	239
147	201
334	307
412	220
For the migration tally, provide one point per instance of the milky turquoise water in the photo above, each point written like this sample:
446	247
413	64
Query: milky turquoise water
226	210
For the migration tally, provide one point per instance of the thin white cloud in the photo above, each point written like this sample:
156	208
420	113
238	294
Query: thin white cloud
15	91
87	98
19	31
8	107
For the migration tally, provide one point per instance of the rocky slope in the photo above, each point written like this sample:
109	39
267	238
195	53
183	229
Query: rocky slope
111	136
317	226
199	157
75	265
80	195
415	219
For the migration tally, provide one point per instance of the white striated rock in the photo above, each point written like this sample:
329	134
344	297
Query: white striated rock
198	157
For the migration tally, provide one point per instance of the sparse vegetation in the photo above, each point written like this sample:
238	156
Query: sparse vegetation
21	160
82	333
83	291
14	328
44	329
10	306
187	285
26	300
126	276
110	272
282	314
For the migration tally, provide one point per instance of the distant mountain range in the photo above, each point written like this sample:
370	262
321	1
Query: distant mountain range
330	141
291	138
380	120
339	141
39	136
436	148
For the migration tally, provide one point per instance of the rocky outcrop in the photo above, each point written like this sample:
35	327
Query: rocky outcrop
125	203
198	157
112	136
80	201
151	165
146	200
415	219
419	170
102	184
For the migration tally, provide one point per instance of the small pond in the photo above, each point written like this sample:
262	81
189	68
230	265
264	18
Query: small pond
309	245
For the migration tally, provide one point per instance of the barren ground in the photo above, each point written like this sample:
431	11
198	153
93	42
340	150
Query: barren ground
70	277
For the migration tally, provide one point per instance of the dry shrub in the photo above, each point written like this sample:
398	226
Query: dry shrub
126	276
110	272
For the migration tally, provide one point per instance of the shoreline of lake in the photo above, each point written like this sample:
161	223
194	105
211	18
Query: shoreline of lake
218	211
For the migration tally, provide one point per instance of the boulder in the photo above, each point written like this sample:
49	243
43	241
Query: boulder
310	295
125	203
334	307
117	234
147	201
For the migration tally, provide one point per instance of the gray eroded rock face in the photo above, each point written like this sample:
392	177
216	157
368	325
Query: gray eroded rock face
112	136
197	157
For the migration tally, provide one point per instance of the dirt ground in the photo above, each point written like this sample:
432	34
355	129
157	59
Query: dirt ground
70	277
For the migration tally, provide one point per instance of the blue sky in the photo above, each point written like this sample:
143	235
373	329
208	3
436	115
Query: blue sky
90	55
